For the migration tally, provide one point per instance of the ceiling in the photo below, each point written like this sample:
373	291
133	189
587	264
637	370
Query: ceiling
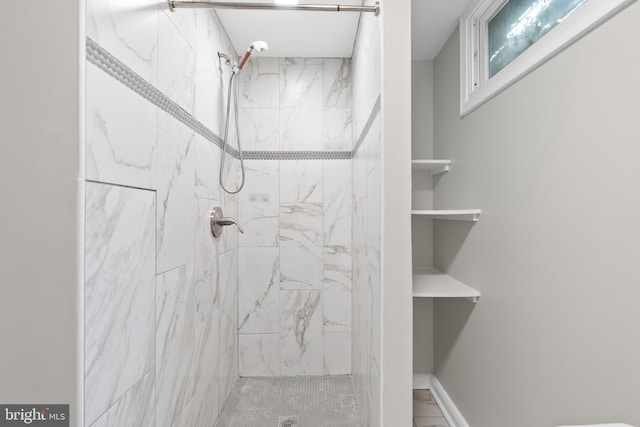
432	22
332	35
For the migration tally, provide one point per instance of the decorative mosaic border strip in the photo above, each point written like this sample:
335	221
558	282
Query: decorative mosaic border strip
108	63
111	65
297	155
367	126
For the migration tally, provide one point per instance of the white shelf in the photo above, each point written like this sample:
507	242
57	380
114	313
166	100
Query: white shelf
435	166
431	283
454	214
421	381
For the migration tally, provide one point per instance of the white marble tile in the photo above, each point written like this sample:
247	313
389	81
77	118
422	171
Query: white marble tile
260	83
337	289
207	169
374	200
209	98
360	171
301	341
128	29
338	132
374	142
228	325
375	394
212	76
337	353
206	262
184	20
259	203
231	177
301	82
337	83
259	128
259	290
285	60
230	206
176	201
135	409
366	71
203	408
301	181
175	323
259	355
364	406
301	128
337	202
301	246
376	309
176	65
119	292
121	129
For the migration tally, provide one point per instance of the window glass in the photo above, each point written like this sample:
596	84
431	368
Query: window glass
519	24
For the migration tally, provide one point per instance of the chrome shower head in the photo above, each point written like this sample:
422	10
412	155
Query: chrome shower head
256	46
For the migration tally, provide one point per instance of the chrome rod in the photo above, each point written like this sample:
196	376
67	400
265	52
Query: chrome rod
177	4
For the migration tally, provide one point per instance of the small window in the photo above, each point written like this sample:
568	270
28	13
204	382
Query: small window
521	23
502	40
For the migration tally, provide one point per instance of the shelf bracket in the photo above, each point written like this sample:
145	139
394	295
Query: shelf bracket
440	170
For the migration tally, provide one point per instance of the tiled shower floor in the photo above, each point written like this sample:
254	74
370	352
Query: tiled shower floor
426	412
312	401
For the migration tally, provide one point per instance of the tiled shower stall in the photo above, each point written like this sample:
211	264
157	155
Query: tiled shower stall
173	316
295	253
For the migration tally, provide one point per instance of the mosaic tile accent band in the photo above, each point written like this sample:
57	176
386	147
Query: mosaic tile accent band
108	63
296	155
116	69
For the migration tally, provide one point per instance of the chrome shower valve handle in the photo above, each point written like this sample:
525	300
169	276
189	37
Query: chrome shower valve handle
218	220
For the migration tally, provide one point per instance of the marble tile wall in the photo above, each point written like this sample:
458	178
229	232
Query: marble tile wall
367	193
295	254
160	292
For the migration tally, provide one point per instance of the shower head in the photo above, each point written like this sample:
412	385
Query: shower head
256	46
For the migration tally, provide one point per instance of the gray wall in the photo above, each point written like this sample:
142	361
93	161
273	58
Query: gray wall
422	148
422	198
39	185
553	163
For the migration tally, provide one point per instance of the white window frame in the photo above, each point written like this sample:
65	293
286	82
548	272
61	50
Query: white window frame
476	87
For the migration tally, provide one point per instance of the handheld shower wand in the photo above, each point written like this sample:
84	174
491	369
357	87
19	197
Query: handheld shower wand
257	46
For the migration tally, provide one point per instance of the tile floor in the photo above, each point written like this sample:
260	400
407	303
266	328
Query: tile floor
291	402
426	412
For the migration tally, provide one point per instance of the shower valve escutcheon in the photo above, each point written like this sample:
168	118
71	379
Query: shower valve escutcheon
218	220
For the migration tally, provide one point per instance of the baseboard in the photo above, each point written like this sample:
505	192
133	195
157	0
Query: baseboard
451	413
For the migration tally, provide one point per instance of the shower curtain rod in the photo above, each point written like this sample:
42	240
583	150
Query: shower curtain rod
177	4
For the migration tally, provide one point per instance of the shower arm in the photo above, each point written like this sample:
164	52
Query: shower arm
178	4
